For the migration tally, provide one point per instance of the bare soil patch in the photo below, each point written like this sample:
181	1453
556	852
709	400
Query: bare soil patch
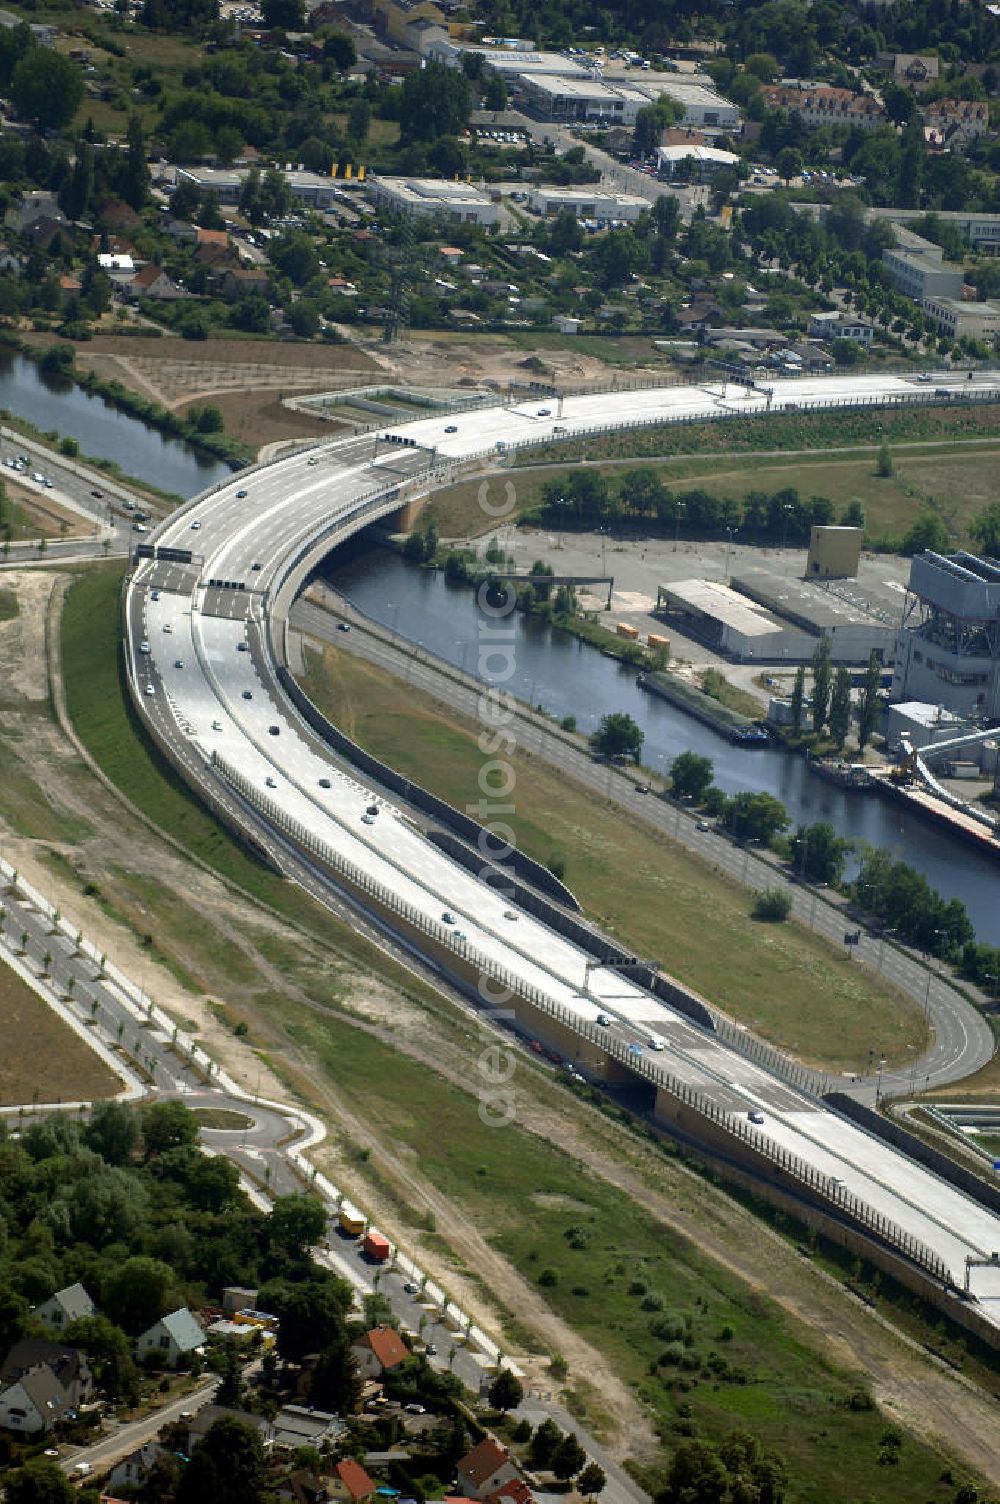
257	418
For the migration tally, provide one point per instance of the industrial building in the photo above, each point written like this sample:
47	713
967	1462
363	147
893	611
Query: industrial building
588	203
314	189
768	618
948	651
550	97
417	197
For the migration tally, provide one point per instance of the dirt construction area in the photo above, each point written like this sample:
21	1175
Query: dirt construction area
249	379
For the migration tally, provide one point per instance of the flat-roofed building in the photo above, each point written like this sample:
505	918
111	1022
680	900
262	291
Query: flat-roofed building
854	632
588	203
313	189
959	320
693	161
922	274
417	197
551	97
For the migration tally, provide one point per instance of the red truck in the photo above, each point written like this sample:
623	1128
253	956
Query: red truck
376	1247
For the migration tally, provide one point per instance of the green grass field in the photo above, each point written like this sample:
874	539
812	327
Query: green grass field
778	979
612	1271
957	481
42	1059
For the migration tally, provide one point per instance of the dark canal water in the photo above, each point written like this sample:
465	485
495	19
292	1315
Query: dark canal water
102	431
569	678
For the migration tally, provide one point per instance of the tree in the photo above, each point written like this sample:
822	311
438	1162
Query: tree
789	163
985	528
754	817
110	1353
359	119
822	678
434	101
228	1466
884	465
591	1481
311	1313
618	736
818	853
46	88
140	1291
39	1482
494	92
341	51
691	775
335	1383
114	1132
798	700
134	182
568	1458
283	15
868	705
543	1444
840	706
168	1125
296	1223
506	1392
927	532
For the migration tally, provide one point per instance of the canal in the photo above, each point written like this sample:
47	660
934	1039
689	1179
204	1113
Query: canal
51	403
568	677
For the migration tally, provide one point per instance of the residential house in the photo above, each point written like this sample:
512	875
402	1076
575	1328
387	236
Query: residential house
911	71
73	1303
69	285
342	286
153	282
202	1423
350	1483
238	281
43	233
171	1338
68	1365
836	325
823	105
33	207
484	1470
117	215
957	122
34	1403
134	1469
516	1491
378	1351
211	237
303	1487
301	1426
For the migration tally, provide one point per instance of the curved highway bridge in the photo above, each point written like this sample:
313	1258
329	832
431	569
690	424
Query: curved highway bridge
206	606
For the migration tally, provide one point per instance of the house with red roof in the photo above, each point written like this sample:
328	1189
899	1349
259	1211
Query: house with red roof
350	1482
485	1470
378	1351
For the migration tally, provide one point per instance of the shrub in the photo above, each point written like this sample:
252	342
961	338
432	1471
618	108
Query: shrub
772	905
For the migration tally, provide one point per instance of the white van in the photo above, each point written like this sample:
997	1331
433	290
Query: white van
654	1042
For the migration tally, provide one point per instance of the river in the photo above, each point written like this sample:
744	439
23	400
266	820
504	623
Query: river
568	677
50	403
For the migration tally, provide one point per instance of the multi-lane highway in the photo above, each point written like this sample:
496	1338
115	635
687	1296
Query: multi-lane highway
199	625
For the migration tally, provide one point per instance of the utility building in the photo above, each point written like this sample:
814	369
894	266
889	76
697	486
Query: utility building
948	651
